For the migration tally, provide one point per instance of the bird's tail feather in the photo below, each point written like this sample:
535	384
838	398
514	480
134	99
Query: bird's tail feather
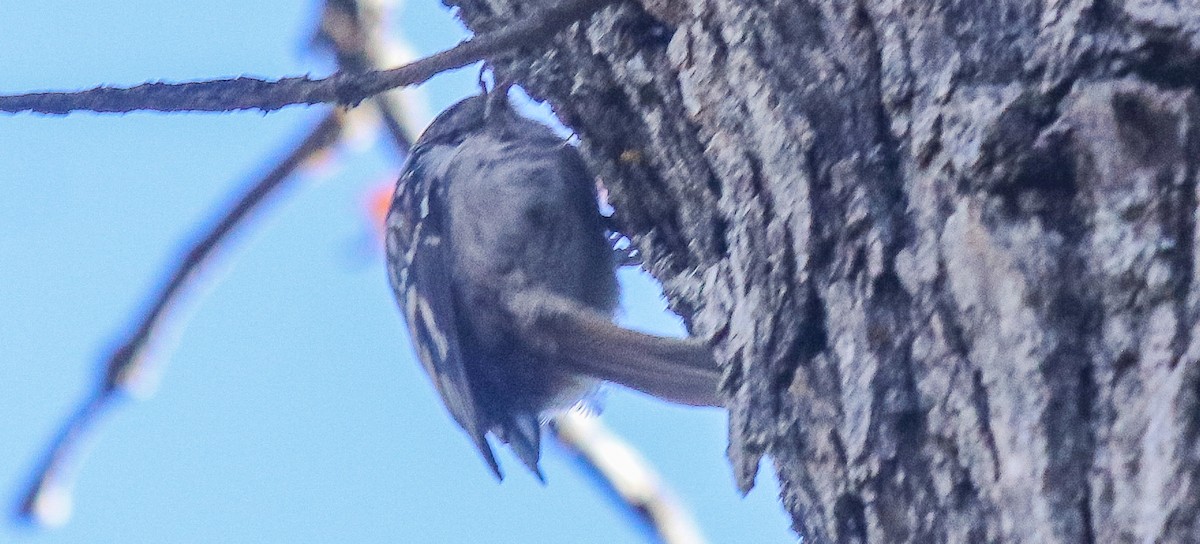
678	370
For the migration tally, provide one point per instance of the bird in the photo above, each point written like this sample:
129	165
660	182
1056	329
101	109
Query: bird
498	257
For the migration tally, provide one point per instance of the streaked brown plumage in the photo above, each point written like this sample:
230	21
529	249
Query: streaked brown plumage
498	257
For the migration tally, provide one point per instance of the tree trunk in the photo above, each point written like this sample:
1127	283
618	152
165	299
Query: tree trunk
944	251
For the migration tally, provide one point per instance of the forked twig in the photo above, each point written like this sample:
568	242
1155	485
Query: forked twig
355	31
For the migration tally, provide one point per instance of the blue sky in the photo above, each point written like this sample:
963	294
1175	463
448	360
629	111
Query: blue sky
289	408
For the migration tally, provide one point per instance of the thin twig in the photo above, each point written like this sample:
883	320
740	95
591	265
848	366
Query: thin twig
48	499
355	31
617	465
343	88
633	481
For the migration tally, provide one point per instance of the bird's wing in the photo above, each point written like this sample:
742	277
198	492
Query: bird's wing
418	247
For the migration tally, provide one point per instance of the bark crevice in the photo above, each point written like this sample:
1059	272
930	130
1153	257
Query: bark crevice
944	251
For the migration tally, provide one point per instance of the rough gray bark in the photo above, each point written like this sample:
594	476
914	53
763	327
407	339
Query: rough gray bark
944	250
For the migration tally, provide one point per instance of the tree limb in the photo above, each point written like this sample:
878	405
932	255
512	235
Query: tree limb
343	88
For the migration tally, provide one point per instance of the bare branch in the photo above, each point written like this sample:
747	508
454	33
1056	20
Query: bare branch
343	88
359	42
621	469
355	31
48	498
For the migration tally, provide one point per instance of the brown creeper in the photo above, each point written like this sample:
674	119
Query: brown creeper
498	258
